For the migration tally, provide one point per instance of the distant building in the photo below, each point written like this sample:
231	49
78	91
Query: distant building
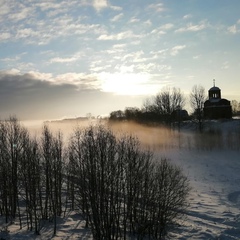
216	107
180	114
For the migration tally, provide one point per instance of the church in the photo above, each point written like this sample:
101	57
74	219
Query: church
216	107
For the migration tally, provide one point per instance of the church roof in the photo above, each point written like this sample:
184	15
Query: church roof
214	88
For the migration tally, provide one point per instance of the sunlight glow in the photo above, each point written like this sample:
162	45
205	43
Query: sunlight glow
128	83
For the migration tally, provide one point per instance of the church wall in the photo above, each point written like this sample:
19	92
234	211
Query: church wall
218	112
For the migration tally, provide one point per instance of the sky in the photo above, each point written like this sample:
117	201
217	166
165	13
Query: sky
68	58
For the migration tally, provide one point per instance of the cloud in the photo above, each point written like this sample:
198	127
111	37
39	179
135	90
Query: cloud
26	33
22	13
158	32
134	20
117	46
175	50
150	67
25	93
187	16
99	68
196	57
52	9
234	29
148	23
14	61
138	57
36	95
116	8
26	22
118	36
161	54
225	65
162	29
42	96
158	7
167	26
100	4
8	59
5	8
117	17
63	60
44	6
192	28
81	80
45	31
5	36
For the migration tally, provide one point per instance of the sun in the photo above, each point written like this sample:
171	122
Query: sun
127	83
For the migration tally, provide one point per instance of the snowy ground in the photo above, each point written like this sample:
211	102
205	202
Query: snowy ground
214	211
214	175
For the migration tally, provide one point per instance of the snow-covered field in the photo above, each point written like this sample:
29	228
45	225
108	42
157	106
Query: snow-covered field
213	169
214	211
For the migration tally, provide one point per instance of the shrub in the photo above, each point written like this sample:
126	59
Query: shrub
122	191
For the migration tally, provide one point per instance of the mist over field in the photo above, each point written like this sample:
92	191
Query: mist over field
223	134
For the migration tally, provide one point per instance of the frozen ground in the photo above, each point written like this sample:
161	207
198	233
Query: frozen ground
214	211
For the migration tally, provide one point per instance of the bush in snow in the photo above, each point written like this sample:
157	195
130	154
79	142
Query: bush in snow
120	189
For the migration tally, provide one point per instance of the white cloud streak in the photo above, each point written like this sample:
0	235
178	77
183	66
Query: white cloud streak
63	60
134	20
5	36
192	28
234	29
175	50
162	29
23	20
158	7
100	4
118	36
117	17
187	16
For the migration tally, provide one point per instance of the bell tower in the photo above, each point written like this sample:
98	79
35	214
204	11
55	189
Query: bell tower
214	92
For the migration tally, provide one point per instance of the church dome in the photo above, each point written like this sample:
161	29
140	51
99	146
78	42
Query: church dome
214	89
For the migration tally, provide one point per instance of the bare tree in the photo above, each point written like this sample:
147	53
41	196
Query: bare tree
117	115
12	139
57	177
119	187
52	162
197	99
235	107
170	203
165	103
30	175
46	150
31	181
132	113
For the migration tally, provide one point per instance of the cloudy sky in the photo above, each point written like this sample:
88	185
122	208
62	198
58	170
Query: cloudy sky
67	58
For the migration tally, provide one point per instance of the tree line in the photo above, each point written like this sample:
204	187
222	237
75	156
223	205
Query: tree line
168	107
120	189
